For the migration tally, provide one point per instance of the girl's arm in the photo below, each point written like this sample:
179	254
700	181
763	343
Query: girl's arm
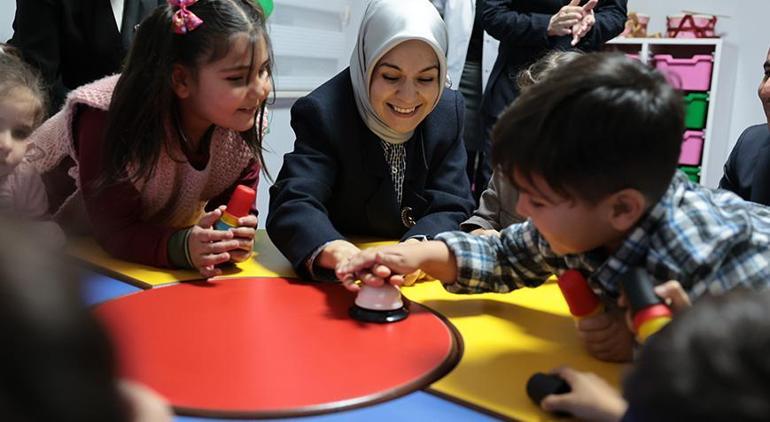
115	211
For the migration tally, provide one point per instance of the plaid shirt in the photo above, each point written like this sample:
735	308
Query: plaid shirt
708	240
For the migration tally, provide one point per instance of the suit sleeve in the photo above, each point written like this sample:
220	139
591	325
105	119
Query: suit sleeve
36	35
298	221
487	215
737	169
115	210
611	18
447	187
502	21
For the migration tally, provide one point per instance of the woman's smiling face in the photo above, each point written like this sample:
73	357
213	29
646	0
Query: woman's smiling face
405	85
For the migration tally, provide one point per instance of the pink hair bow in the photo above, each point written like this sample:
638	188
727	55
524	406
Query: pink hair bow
184	20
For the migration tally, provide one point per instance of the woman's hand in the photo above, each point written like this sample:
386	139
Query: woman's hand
580	29
591	398
565	19
209	247
485	232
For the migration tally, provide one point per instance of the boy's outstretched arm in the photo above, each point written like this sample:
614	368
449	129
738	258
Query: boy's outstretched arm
375	265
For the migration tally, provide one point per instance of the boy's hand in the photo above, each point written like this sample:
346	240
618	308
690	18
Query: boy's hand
209	247
376	266
244	233
607	337
671	292
567	17
591	398
485	232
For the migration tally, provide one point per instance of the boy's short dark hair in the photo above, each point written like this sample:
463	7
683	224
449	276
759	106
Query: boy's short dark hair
710	363
598	125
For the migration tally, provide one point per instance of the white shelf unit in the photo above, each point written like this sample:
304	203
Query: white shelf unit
716	131
311	42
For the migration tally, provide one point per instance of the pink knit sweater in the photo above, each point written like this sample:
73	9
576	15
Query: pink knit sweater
174	198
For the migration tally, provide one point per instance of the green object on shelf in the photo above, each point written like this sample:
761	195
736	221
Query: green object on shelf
267	7
696	104
693	173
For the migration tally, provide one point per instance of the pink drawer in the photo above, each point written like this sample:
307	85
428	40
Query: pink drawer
692	148
693	74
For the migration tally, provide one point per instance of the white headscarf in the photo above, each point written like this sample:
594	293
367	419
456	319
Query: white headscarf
387	23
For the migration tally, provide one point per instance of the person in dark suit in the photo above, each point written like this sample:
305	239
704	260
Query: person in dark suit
747	171
74	42
379	148
527	30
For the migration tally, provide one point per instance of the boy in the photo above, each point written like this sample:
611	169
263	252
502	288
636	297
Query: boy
593	151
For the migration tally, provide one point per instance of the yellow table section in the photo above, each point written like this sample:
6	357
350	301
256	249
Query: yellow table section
507	337
266	262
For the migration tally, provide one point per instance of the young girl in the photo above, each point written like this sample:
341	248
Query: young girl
22	108
159	148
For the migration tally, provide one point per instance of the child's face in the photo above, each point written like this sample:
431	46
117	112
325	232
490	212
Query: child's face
405	85
18	112
569	225
224	94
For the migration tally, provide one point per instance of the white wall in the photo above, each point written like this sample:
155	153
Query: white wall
7	10
745	33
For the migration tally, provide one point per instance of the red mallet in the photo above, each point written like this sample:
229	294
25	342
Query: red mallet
649	312
239	206
582	301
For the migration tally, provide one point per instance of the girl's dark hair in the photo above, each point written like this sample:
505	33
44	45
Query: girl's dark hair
709	364
14	73
601	124
56	360
143	100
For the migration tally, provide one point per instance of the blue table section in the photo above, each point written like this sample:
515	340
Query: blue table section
97	288
418	407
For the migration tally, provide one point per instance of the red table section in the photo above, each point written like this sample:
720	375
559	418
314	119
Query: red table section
271	347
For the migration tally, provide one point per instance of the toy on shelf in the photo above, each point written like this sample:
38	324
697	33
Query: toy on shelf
691	25
636	25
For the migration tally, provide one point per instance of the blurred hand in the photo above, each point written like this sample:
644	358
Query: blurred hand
244	233
485	232
607	337
580	29
591	398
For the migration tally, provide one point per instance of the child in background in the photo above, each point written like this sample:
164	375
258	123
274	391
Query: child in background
497	207
56	361
592	150
159	149
710	363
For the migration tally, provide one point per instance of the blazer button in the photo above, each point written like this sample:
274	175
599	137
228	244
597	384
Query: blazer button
406	217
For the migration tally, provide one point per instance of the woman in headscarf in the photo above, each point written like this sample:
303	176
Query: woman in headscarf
379	149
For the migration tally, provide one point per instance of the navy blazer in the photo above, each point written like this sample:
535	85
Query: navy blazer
747	171
336	182
74	42
521	26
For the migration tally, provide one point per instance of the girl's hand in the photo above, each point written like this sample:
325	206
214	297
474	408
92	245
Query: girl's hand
591	398
607	337
567	17
209	247
244	233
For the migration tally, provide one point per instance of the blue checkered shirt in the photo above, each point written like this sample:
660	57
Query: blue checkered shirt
709	240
